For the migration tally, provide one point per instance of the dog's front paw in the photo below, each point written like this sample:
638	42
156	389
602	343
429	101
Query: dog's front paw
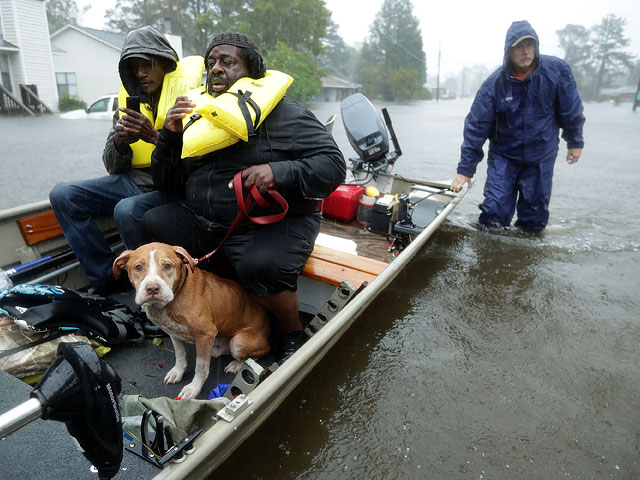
233	367
174	375
189	391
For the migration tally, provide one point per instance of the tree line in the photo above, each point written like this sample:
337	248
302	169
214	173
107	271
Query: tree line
300	38
295	36
598	56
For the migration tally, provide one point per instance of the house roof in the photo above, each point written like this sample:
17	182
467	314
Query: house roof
336	82
8	46
115	40
618	90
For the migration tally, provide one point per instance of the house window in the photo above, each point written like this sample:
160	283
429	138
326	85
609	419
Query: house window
67	84
5	78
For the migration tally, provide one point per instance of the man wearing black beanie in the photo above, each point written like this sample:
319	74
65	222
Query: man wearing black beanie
290	152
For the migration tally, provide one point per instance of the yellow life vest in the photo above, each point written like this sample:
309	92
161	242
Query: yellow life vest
200	136
187	75
229	119
230	110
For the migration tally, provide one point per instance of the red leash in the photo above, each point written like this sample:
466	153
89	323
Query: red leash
244	204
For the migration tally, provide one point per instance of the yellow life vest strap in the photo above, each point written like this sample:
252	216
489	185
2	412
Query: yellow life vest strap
192	119
243	99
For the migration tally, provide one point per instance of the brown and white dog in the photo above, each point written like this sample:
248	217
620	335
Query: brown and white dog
192	305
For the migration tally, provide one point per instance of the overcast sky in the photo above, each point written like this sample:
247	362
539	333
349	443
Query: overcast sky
468	32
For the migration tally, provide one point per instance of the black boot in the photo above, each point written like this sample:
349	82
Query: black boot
290	342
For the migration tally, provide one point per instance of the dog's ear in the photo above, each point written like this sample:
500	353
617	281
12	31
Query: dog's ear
120	263
186	258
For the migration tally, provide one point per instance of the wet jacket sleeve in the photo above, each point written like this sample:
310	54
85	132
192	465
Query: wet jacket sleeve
166	165
478	126
569	109
114	161
316	166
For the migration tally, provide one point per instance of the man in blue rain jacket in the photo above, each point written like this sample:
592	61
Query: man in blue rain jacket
520	109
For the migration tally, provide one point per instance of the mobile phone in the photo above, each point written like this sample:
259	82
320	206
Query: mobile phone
133	103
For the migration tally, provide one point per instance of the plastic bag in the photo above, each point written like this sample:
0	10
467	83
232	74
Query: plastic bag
33	360
5	283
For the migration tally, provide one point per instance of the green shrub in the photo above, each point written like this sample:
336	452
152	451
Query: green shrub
424	94
304	71
403	85
67	103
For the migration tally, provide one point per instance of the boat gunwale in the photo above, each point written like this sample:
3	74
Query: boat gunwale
15	213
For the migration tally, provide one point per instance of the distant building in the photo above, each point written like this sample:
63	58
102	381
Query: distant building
86	61
25	51
335	89
441	92
619	94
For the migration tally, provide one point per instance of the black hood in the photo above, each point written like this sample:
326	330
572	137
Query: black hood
146	41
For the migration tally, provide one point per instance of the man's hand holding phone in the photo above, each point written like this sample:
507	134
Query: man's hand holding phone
133	126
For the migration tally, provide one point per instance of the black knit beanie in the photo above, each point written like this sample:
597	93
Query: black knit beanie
232	38
249	52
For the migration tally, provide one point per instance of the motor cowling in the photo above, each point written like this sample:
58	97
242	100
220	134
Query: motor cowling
366	132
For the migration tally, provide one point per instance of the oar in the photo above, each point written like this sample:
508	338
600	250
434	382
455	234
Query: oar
29	269
14	271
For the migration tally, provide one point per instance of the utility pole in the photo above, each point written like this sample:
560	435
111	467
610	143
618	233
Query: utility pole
464	77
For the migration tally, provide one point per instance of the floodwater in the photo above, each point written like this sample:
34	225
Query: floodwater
490	357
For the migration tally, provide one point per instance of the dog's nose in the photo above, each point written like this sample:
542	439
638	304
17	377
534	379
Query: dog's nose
152	289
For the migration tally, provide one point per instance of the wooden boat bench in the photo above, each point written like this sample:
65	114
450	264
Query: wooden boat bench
333	267
38	228
42	234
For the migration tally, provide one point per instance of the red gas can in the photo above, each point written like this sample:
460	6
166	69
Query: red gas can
342	204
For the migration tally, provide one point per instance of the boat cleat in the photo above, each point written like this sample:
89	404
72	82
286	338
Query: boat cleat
234	408
330	309
247	379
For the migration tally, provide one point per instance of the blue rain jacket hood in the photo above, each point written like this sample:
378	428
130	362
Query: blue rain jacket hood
517	30
522	118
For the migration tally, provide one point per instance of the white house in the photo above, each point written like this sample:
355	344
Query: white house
25	50
86	61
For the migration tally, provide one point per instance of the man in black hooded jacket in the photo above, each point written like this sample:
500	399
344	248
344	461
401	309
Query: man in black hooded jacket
147	65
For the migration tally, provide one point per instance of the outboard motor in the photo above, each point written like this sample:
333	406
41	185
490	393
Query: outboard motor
81	391
367	134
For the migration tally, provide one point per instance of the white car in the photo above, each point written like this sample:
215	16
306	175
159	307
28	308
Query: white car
101	109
